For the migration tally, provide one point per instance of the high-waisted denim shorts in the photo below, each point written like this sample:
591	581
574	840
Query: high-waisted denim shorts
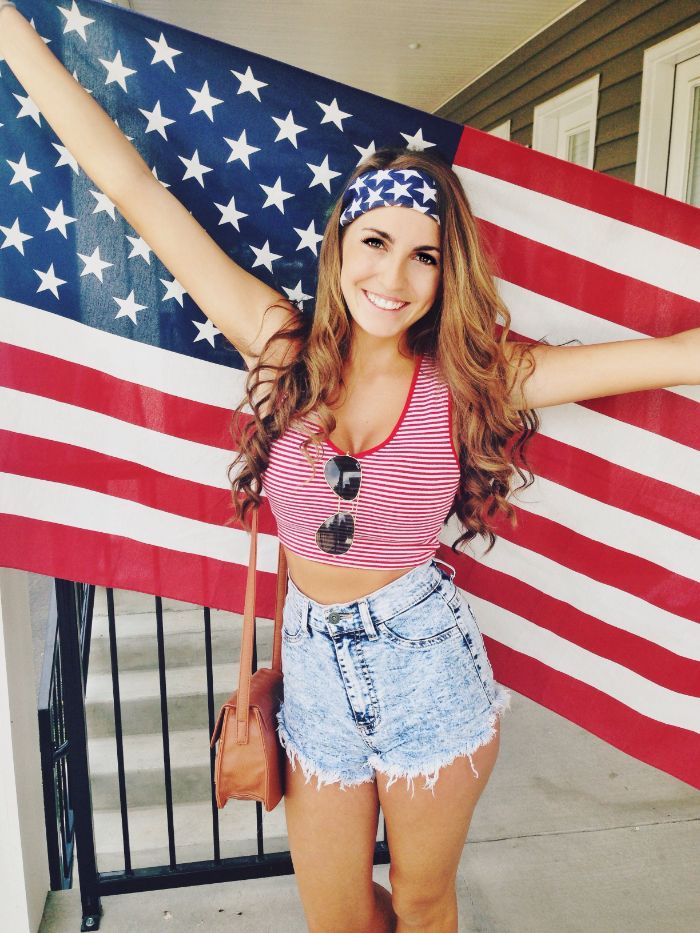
396	682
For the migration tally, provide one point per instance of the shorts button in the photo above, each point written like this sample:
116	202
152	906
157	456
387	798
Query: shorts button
333	618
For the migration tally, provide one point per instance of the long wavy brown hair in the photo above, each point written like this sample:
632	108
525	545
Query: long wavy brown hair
465	331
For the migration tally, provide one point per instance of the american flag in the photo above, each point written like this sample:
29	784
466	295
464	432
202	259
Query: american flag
117	392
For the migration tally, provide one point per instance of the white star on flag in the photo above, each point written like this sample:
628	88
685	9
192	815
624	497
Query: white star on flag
248	83
275	195
75	21
15	237
195	169
28	108
416	141
116	70
203	101
23	173
207	331
332	113
103	203
58	219
156	120
309	238
296	294
94	264
66	158
263	255
323	175
140	248
173	289
240	149
229	214
128	307
365	151
49	281
288	129
163	52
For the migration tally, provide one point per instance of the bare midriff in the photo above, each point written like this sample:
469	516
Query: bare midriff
328	585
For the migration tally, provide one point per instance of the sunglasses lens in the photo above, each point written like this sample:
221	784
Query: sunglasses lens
336	533
343	475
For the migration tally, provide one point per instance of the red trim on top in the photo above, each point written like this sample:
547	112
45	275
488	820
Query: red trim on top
370	450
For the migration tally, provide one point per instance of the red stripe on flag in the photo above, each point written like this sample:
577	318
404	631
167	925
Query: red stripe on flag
615	485
87	469
51	377
644	657
574	184
112	560
628	572
668	748
664	413
610	295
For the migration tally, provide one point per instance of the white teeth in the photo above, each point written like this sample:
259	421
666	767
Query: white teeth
383	303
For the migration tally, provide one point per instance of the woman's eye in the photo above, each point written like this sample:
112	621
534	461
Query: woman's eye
372	239
431	259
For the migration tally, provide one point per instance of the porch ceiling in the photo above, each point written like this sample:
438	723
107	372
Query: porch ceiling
366	44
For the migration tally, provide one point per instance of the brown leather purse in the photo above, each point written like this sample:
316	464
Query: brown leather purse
250	758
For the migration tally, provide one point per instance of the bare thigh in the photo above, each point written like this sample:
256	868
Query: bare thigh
332	833
426	834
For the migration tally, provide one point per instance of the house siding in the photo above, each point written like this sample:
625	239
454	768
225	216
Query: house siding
605	37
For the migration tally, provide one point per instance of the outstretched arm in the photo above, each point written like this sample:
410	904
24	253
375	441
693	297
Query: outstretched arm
572	374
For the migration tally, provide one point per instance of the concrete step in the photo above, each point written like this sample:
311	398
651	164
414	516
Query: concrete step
144	771
186	689
192	825
183	638
128	601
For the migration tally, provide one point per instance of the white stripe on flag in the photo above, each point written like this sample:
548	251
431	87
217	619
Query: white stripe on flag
578	231
24	326
623	530
613	606
624	444
75	507
630	688
37	416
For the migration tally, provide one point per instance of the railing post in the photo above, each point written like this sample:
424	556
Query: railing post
24	874
78	765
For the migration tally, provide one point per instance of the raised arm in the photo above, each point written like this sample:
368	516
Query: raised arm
236	301
571	374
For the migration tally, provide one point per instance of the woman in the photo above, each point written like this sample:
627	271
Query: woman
394	406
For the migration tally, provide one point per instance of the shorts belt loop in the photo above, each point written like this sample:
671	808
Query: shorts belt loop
366	617
439	560
305	615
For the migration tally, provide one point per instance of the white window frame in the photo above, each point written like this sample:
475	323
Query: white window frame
656	110
502	130
577	107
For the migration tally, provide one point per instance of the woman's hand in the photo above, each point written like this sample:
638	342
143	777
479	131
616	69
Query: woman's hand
572	374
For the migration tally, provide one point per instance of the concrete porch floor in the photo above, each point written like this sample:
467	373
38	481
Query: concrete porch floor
570	836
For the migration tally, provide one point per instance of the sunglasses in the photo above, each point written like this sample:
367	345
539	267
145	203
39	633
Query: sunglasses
343	474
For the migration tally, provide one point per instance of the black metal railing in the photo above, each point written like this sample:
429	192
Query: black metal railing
66	773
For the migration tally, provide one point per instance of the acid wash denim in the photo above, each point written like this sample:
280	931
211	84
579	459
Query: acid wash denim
396	682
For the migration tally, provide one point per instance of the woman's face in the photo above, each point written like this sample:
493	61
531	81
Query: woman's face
390	269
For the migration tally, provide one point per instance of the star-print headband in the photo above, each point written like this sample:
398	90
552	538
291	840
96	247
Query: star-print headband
388	188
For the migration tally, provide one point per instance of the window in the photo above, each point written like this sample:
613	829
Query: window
565	125
502	130
668	153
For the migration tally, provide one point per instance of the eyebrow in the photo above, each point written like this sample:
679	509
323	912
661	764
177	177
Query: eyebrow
390	238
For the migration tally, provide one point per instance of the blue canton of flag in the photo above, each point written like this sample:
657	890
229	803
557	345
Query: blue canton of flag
256	150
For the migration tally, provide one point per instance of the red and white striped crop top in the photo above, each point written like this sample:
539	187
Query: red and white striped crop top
408	485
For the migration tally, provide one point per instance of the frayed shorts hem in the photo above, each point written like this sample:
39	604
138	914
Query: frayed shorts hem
429	771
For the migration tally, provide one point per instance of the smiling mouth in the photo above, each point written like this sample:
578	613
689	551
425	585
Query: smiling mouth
384	304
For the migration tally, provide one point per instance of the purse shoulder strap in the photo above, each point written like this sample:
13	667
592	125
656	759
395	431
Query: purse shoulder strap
246	659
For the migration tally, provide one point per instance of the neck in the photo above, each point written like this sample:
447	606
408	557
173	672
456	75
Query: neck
376	354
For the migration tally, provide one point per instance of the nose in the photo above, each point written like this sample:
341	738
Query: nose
392	275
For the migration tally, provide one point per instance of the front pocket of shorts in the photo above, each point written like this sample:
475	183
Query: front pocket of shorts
292	628
422	625
473	641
